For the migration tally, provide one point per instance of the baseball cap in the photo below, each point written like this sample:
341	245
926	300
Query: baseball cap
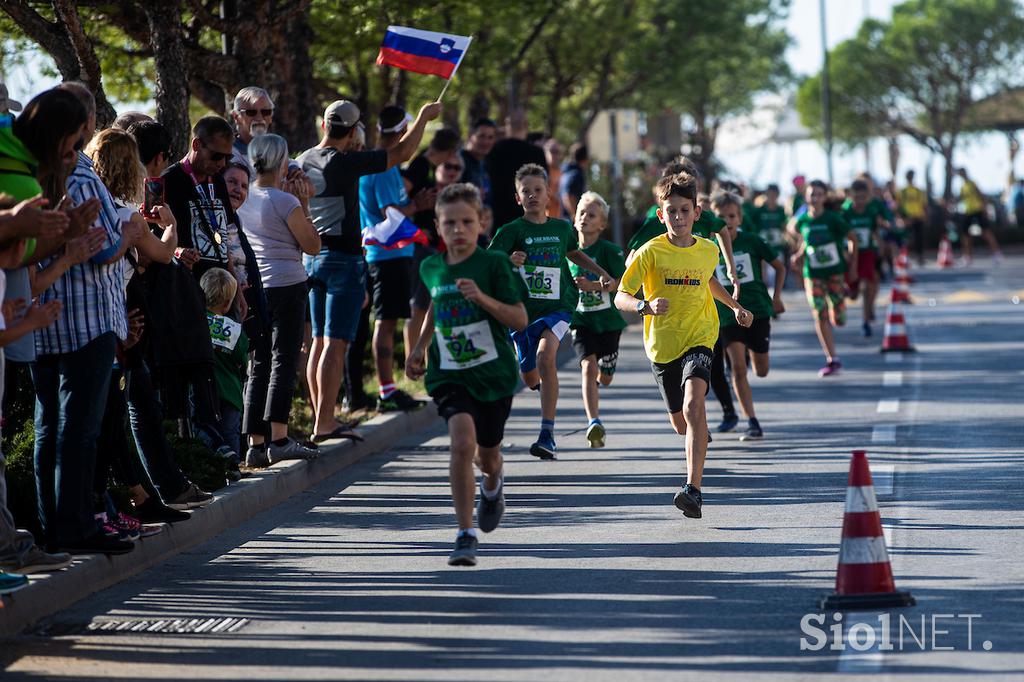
6	103
342	112
393	119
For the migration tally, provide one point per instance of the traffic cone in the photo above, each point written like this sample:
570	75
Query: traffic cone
901	267
864	577
945	257
900	290
895	338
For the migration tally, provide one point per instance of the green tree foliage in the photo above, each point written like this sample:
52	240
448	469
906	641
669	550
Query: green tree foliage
920	73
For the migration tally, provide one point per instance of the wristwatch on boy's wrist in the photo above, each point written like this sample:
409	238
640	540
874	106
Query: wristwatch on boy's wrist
641	306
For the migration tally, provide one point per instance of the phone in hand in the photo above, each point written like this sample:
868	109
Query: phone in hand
153	197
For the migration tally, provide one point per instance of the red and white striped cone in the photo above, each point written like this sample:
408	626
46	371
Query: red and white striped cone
945	256
900	290
895	338
864	577
901	266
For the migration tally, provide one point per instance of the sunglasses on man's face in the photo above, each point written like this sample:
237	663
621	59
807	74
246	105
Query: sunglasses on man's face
251	113
453	166
216	157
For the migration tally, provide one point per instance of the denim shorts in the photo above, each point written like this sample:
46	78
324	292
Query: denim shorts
337	288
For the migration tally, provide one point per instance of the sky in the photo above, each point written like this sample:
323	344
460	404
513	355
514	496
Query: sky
741	149
741	146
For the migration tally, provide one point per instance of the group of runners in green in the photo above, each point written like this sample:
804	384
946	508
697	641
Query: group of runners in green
698	272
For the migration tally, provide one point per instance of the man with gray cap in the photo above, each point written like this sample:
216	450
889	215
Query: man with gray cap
338	273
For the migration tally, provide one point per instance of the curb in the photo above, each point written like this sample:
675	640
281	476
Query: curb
239	502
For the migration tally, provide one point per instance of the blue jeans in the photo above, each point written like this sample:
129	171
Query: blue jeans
71	391
226	431
146	416
337	288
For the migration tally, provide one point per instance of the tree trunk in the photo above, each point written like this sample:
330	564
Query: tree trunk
172	89
300	105
947	186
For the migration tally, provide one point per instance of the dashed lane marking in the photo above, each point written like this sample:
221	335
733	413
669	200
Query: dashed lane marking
888	406
883	433
892	379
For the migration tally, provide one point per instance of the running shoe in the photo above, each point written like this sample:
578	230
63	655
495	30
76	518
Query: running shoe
544	448
193	497
11	582
488	511
595	434
689	501
729	423
753	431
831	368
290	449
37	561
256	458
866	329
399	401
155	511
464	553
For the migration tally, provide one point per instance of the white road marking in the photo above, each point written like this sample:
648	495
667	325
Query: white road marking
882	476
853	661
893	358
892	379
889	406
883	433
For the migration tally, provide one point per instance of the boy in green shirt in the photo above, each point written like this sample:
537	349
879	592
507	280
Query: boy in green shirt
866	220
675	271
752	253
471	372
596	323
822	234
539	247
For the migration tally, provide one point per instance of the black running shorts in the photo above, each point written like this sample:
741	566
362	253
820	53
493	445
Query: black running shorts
489	418
672	376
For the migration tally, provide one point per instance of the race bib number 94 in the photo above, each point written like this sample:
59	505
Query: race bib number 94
465	346
542	282
823	256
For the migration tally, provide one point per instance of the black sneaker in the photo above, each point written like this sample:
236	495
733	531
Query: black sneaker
291	449
399	401
489	512
99	543
729	423
362	401
464	553
193	497
753	431
155	511
689	501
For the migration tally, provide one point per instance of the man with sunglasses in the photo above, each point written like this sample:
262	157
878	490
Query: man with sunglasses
253	113
197	195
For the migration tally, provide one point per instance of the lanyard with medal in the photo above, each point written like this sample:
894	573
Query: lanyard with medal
206	206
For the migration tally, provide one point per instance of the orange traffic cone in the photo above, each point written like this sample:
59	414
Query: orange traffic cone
895	338
901	266
864	578
900	290
945	257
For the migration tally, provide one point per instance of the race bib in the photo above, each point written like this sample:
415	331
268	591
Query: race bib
823	256
592	301
774	236
224	332
863	237
466	345
542	282
744	270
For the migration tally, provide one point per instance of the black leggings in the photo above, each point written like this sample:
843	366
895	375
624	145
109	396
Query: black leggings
275	361
719	384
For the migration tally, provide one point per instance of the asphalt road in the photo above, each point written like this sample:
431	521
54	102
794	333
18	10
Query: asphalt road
594	575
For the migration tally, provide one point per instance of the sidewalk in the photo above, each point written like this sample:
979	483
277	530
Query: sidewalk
49	593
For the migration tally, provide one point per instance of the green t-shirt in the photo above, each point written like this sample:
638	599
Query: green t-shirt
865	224
230	354
771	226
596	309
749	253
704	226
825	237
470	347
546	271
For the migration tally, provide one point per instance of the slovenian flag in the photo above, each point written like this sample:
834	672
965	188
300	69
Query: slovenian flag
436	54
394	232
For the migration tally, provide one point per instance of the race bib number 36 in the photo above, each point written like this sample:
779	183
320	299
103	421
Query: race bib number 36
465	346
823	256
224	331
542	282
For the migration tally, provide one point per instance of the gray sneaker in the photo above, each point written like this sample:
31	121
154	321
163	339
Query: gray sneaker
292	449
256	458
38	561
489	512
192	498
464	553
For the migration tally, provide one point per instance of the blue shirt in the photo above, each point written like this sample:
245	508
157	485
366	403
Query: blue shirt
92	292
377	192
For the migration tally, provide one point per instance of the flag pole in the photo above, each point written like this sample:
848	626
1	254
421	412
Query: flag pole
455	70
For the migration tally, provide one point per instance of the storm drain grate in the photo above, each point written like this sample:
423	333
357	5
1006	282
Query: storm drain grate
179	626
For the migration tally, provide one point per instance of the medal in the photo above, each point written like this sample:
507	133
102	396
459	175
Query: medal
123	383
217	238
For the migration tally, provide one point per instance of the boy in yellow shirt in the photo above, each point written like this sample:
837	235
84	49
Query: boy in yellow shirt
676	272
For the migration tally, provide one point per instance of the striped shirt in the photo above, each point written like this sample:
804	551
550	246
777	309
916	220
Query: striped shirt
92	293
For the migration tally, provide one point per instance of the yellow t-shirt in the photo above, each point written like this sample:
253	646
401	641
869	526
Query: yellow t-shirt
974	202
681	275
913	202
